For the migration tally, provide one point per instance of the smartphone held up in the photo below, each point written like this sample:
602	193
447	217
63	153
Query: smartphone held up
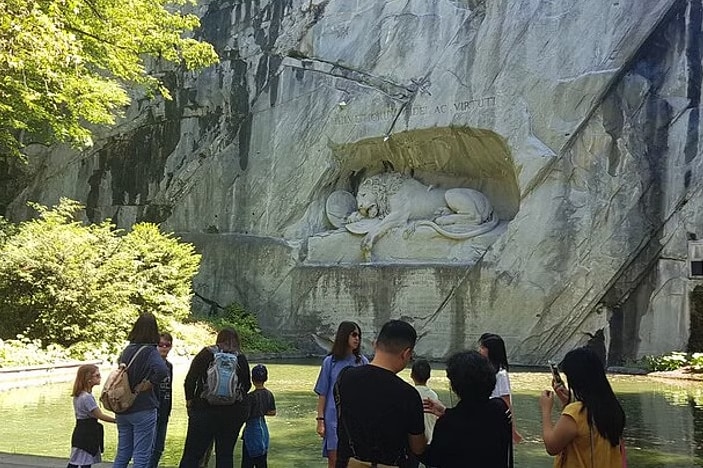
555	373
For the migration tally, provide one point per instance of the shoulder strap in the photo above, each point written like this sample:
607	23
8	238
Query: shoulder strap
135	356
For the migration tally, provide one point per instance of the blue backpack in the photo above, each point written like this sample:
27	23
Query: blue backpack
221	382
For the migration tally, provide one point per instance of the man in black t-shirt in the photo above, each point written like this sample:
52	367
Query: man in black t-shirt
380	416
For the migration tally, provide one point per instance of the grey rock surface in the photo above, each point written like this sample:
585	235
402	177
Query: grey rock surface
579	121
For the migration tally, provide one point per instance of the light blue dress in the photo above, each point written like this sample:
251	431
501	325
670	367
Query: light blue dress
325	386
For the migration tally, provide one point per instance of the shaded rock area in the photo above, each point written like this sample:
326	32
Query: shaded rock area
579	122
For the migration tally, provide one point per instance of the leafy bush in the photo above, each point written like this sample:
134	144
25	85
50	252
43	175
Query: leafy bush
26	352
696	362
161	273
249	331
188	339
674	361
191	336
77	285
7	230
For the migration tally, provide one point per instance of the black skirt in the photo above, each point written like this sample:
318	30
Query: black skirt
88	435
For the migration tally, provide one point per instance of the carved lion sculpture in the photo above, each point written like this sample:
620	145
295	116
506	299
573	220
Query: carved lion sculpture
397	199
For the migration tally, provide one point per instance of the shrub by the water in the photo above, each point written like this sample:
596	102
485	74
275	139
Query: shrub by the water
247	326
25	352
674	361
81	285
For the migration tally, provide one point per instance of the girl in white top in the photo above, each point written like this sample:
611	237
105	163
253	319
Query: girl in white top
492	346
87	437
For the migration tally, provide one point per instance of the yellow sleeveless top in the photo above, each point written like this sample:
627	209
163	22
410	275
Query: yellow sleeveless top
588	449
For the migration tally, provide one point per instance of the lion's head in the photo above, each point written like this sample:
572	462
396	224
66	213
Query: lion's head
367	203
374	192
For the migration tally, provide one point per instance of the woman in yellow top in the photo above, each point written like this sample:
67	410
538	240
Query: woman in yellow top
588	434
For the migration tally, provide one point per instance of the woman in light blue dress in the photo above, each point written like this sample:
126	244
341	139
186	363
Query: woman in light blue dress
346	351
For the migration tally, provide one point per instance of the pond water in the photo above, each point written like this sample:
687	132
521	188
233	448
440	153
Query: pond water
664	419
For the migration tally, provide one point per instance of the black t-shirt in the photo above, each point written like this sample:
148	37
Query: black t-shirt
259	402
166	393
377	410
472	435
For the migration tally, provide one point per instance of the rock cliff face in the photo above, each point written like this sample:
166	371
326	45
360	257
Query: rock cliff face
579	122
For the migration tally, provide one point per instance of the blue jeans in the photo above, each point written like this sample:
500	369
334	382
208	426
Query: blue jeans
159	440
135	438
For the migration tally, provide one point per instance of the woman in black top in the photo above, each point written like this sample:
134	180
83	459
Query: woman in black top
477	432
208	422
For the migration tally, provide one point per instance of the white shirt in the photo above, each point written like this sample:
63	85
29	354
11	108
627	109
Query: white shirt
502	387
430	419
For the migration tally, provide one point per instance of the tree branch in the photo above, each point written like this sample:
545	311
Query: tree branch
95	10
97	38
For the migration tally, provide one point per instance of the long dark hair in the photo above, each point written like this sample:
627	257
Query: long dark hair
228	340
145	330
496	350
341	341
587	380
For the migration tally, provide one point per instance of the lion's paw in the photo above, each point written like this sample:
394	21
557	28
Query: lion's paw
443	211
366	246
354	217
409	231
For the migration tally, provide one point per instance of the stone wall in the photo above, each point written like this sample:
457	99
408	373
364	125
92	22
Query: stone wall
579	121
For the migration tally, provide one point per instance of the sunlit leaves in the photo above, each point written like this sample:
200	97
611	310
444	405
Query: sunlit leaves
66	282
64	63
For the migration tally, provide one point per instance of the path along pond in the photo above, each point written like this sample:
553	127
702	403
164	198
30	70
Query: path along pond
664	418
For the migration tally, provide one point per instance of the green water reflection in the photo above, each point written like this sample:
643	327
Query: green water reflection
664	427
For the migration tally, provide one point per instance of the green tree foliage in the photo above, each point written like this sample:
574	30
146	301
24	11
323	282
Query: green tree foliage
7	230
63	62
247	326
162	270
75	285
693	362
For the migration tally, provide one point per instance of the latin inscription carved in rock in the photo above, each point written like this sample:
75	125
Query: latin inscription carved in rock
387	114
